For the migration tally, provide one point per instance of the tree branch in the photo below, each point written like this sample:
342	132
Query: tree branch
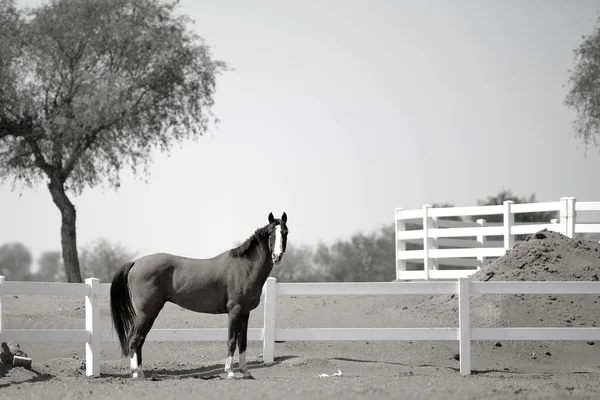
79	149
85	143
24	129
14	129
87	140
40	161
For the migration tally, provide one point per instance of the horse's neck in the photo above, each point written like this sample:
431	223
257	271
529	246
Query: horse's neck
261	264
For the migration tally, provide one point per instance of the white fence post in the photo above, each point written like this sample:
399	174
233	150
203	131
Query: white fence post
92	325
400	245
269	321
464	324
434	243
571	217
1	308
426	241
481	241
564	215
509	221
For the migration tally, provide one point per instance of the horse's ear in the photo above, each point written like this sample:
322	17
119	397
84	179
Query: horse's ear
284	217
271	217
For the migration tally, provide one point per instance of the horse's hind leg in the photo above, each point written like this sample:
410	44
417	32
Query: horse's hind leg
235	317
242	343
143	324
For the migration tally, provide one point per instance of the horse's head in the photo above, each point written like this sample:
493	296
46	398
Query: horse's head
278	232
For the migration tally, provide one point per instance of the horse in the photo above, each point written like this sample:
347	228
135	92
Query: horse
229	283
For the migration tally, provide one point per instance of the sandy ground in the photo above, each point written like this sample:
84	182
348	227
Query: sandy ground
409	370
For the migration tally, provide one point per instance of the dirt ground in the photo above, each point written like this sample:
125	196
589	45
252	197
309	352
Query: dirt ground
408	370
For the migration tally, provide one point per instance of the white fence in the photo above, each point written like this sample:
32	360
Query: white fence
453	249
92	336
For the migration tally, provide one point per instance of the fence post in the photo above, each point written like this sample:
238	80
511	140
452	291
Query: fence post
269	321
400	246
92	325
426	241
434	243
464	324
481	241
1	308
571	217
564	216
509	221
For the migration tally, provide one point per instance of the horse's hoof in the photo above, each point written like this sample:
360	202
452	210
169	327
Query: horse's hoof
137	375
247	376
231	375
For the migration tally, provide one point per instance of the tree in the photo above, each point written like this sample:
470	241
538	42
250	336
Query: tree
444	205
362	258
49	263
15	261
101	259
505	195
90	87
584	91
298	266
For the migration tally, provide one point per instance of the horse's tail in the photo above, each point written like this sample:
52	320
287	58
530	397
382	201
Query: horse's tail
121	307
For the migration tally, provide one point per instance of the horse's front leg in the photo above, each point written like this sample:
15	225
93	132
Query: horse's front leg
233	333
242	343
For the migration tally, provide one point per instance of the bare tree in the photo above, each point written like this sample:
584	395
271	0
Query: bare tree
90	87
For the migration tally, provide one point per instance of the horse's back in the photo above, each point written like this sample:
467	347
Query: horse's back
196	284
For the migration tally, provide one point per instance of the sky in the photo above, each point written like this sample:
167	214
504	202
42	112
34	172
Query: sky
338	112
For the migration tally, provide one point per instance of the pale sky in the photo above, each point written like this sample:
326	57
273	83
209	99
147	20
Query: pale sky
339	111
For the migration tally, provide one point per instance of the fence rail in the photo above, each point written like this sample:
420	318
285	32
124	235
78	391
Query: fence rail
460	248
93	335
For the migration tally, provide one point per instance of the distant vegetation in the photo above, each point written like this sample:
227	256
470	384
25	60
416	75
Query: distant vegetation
363	257
99	259
15	262
507	195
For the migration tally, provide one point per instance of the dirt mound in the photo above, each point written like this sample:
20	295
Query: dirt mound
545	256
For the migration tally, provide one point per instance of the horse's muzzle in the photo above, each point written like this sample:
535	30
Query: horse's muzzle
276	258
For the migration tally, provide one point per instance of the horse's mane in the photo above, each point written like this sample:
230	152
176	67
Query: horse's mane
242	249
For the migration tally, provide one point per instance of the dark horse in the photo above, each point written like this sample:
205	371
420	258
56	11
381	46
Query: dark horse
229	283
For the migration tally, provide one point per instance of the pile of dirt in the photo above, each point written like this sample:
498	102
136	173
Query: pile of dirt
544	256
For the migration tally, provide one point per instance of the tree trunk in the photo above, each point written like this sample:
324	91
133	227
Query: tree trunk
68	233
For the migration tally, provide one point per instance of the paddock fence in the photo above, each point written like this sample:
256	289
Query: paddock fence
452	242
93	335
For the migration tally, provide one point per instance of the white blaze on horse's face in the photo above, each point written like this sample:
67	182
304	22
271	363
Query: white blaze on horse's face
278	247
